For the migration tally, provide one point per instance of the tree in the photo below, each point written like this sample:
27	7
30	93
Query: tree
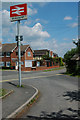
73	66
70	65
61	61
77	52
77	46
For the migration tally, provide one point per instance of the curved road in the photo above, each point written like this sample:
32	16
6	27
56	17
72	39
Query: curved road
58	92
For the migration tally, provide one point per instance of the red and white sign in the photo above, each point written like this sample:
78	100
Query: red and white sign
18	12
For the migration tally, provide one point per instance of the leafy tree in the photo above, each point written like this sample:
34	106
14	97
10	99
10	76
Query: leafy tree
78	52
77	46
70	64
61	61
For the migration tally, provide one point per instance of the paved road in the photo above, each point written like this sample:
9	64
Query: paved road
58	92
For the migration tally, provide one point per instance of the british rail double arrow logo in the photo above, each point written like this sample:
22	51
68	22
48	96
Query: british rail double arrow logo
18	10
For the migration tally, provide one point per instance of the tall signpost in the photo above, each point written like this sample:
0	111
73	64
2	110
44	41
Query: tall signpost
17	13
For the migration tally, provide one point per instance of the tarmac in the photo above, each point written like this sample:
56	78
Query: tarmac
16	101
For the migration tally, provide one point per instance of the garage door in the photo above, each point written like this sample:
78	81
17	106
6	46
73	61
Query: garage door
28	63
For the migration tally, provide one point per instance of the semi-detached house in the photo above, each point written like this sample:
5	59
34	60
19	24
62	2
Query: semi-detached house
10	56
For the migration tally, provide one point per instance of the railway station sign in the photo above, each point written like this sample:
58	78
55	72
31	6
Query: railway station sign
18	12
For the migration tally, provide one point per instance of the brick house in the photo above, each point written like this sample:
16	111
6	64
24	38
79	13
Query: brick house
41	64
7	53
26	57
39	53
10	56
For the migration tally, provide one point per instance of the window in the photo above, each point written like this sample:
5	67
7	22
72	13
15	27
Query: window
28	63
22	53
7	64
49	54
8	54
2	64
22	63
2	54
29	53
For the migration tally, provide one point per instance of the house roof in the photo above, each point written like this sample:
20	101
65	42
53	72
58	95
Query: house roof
8	47
55	54
41	52
23	48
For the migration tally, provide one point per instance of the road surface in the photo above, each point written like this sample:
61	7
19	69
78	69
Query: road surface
58	92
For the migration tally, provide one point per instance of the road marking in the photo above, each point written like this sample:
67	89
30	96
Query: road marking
29	78
59	74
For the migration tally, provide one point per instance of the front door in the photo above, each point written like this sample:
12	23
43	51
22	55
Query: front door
16	65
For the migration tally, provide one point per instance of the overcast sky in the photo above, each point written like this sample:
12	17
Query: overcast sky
50	25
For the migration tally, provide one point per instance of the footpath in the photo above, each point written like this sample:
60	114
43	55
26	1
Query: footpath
18	100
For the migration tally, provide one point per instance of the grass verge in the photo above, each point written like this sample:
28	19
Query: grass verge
54	69
3	92
71	74
20	86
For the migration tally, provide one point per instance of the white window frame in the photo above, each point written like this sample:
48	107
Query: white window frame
22	63
7	63
29	54
2	63
28	63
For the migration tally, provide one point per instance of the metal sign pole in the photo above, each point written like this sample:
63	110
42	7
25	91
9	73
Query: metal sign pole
19	53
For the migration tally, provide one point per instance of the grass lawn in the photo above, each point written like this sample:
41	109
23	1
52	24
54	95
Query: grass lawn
3	92
54	69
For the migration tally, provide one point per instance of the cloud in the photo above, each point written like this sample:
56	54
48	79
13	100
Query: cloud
37	20
5	18
53	44
42	4
43	44
67	18
32	11
34	33
62	48
73	25
8	28
30	33
40	20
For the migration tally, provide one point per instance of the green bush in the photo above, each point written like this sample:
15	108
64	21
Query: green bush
71	65
61	61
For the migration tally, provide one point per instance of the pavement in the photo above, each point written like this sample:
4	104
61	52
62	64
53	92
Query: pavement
15	102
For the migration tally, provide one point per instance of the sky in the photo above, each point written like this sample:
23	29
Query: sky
49	25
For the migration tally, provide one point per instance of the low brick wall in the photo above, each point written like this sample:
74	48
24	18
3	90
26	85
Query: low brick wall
26	69
38	68
45	68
